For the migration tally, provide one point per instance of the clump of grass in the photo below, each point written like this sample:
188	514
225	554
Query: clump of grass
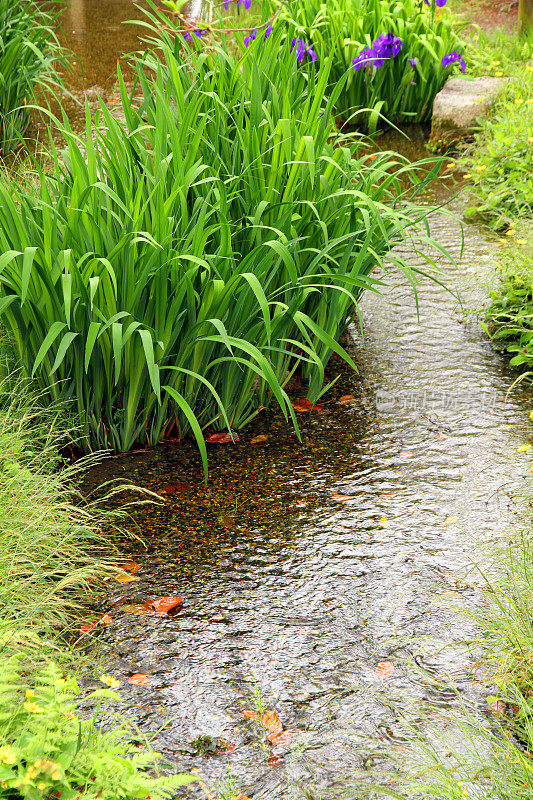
175	269
29	53
52	550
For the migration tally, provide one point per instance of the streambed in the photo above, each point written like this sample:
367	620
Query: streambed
304	566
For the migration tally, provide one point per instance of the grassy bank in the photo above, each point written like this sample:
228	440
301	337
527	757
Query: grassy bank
53	558
476	760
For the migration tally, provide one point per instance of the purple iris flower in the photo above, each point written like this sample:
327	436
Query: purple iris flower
226	4
413	61
299	44
246	3
438	3
386	46
450	58
268	31
301	49
251	36
187	35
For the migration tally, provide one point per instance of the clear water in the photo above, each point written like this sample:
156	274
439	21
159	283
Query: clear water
292	591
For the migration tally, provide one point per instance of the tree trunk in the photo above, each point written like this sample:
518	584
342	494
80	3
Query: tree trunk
525	16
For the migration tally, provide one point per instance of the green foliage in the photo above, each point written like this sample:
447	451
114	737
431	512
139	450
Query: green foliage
47	750
510	315
174	270
501	165
397	91
28	55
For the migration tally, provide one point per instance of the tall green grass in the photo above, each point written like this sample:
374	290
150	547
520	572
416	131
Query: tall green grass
29	53
53	559
398	91
175	267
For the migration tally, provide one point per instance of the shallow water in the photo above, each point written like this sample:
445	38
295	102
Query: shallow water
303	566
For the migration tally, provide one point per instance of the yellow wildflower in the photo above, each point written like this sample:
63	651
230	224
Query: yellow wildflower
33	707
450	166
110	681
8	755
71	716
496	63
521	241
498	74
518	101
481	168
30	693
510	232
41	786
467	176
56	775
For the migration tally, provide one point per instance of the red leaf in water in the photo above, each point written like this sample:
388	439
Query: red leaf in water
140	680
222	438
167	604
131	566
303	404
342	498
405	454
148	605
347	399
384	669
172	488
250	714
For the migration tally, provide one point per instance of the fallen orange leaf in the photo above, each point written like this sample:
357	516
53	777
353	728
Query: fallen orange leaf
140	680
384	669
280	739
166	604
347	399
131	566
259	440
106	620
271	721
250	714
342	498
405	454
303	404
87	628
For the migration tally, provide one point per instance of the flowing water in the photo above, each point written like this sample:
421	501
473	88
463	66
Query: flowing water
303	566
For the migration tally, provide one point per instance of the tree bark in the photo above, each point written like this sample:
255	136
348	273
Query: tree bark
525	16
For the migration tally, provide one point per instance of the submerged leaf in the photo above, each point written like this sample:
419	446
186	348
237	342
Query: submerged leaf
303	405
342	498
222	438
384	669
259	440
167	604
126	578
138	679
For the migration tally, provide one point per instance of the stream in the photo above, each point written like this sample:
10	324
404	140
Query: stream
304	566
